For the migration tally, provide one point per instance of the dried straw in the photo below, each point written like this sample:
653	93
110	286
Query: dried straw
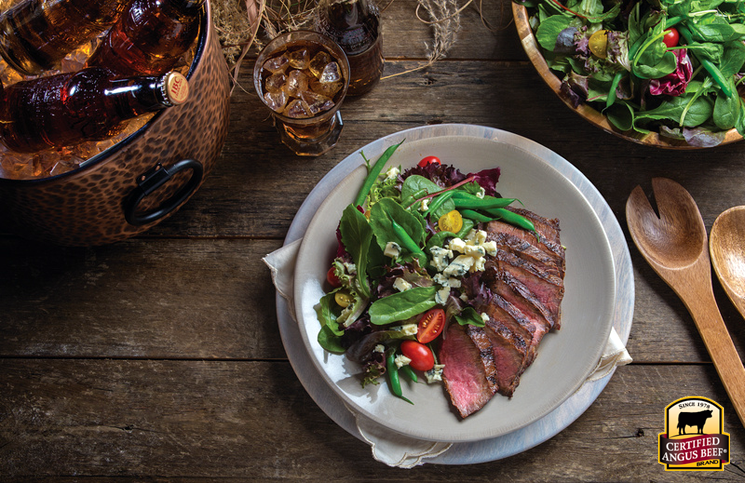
243	24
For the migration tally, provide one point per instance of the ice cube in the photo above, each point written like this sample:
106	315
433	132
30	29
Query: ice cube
328	89
316	102
299	58
318	62
298	108
276	100
277	64
274	82
17	167
297	82
330	73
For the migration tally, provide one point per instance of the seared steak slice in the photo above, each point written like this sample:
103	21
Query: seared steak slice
464	375
481	340
505	316
529	250
525	310
548	231
512	355
547	289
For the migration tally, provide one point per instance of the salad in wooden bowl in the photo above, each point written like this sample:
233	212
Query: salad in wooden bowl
663	73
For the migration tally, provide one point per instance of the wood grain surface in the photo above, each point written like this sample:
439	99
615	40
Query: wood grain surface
159	358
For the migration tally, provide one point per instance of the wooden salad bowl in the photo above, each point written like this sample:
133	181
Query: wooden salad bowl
592	115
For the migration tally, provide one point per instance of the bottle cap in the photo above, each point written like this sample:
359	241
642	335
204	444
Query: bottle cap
175	88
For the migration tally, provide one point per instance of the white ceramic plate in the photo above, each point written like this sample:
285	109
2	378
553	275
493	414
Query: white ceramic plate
565	358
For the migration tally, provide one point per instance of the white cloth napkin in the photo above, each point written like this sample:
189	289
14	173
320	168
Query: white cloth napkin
391	448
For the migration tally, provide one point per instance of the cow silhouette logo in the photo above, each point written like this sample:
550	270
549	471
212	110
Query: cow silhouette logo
700	443
693	418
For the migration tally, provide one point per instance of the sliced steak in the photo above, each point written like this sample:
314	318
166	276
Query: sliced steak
481	340
464	375
524	309
511	355
520	289
548	232
546	289
530	251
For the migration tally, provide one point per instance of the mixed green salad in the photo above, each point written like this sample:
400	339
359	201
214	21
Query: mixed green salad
667	66
407	248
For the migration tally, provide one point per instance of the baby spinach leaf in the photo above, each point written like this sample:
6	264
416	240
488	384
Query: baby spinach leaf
356	234
549	30
726	111
415	187
329	341
708	50
381	216
327	313
402	305
469	316
696	112
732	59
740	123
621	115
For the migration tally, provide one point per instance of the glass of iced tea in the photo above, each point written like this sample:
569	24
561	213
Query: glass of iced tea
303	76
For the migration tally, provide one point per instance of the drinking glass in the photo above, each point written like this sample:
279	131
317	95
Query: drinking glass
308	119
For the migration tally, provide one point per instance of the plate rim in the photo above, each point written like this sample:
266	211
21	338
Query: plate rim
514	141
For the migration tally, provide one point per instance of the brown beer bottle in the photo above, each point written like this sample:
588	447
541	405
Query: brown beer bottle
36	34
150	37
67	109
355	26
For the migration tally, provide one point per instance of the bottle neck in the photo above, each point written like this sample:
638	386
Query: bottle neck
138	95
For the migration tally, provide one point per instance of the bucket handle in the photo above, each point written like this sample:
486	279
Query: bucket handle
153	179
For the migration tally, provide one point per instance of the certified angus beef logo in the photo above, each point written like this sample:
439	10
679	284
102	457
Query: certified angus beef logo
693	439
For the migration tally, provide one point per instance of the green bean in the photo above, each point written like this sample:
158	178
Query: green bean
513	219
373	174
476	216
467	200
393	377
409	372
439	201
409	243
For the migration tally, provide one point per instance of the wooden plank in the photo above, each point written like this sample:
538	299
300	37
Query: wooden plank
179	299
213	298
253	420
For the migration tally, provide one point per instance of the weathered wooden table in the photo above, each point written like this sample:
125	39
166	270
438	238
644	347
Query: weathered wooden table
159	357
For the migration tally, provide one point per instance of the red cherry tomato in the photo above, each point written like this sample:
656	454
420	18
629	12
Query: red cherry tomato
429	160
420	355
671	37
430	325
332	279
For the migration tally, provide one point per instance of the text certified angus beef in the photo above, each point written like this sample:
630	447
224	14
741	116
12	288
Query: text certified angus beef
520	290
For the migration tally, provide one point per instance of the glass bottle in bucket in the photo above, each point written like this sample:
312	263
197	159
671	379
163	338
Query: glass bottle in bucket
150	37
355	26
67	109
36	34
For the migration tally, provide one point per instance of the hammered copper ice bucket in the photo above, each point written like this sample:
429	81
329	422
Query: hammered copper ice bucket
138	182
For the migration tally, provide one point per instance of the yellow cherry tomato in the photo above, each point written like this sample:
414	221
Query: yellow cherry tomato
599	44
451	221
343	299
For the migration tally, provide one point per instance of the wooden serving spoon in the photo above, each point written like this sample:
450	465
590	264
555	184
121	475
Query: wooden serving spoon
727	249
675	245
